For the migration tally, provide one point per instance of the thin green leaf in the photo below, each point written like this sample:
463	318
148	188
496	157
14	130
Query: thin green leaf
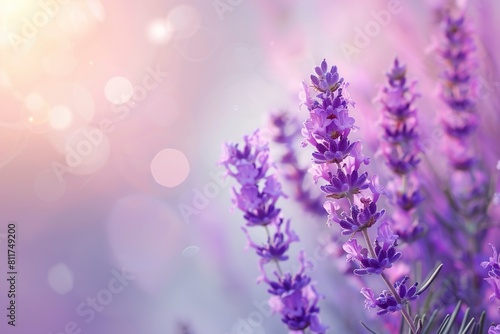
367	328
443	324
419	324
466	329
464	320
429	323
482	318
453	316
431	279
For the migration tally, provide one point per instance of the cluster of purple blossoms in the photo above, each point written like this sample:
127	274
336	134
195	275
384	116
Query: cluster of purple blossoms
293	296
285	129
352	197
468	193
459	90
493	266
494	330
401	149
386	302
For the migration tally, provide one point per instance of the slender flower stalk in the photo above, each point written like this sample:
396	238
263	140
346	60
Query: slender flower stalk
458	90
352	196
293	295
469	191
285	130
401	149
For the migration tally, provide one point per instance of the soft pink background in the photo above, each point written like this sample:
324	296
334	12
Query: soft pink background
124	205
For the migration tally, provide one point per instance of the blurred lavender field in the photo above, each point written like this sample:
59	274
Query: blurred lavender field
112	118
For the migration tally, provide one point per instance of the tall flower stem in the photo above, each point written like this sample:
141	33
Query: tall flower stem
404	312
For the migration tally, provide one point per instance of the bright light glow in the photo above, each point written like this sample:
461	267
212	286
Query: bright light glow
170	168
61	278
34	102
185	20
15	9
160	31
118	90
97	9
60	117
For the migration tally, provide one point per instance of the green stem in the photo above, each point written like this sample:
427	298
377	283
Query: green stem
404	312
275	261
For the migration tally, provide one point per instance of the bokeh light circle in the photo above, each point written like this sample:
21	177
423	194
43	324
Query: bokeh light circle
60	278
185	20
160	31
118	90
170	168
60	117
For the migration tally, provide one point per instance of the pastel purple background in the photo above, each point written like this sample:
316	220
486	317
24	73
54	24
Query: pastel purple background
221	72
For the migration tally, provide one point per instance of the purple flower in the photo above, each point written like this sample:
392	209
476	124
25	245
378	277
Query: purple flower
293	296
275	248
370	301
299	311
359	218
338	161
325	80
342	185
332	150
493	266
399	122
386	302
285	130
385	257
354	251
458	88
494	330
385	234
296	299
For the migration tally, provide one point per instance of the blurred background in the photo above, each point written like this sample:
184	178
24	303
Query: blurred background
112	117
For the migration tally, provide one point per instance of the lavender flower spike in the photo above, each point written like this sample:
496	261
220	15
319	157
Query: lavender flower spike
352	195
400	146
459	90
294	297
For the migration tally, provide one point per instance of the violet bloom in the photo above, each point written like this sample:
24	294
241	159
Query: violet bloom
353	204
294	297
285	130
400	145
458	90
468	191
494	330
386	302
493	266
385	253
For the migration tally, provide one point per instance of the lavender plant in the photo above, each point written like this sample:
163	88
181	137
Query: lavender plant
468	192
352	197
285	130
457	234
401	150
294	296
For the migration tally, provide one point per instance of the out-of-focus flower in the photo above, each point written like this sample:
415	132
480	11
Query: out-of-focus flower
294	297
